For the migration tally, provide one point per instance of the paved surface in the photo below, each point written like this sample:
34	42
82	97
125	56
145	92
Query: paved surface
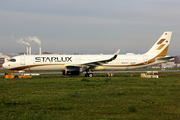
101	72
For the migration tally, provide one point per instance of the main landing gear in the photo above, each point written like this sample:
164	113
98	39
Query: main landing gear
88	74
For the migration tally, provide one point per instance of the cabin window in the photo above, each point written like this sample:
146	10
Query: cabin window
12	60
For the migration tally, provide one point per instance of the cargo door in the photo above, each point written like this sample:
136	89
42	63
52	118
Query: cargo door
22	60
29	61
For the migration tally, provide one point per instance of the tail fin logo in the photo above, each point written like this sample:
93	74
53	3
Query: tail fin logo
162	40
161	45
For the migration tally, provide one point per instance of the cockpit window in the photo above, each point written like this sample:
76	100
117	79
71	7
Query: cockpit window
12	60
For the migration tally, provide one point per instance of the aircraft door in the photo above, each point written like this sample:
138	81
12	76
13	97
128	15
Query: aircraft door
145	59
22	60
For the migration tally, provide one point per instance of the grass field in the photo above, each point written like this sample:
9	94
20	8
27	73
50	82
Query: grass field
53	97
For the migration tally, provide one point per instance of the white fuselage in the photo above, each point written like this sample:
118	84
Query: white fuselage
56	62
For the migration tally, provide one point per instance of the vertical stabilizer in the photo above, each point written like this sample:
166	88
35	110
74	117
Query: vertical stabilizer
160	48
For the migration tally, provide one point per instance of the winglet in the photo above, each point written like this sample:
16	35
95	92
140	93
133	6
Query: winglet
115	55
117	52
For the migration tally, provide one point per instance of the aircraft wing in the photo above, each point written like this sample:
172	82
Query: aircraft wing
95	63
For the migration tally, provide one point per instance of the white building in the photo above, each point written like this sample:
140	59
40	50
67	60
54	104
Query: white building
3	58
168	65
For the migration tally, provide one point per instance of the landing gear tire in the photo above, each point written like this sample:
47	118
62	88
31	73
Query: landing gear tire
88	75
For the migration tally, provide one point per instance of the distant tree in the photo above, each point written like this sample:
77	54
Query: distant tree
46	53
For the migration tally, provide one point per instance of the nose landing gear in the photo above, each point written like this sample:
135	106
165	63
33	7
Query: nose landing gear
88	74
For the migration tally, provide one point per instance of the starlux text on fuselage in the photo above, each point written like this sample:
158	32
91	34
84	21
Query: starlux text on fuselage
53	59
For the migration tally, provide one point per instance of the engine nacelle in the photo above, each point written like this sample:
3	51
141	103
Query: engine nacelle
71	70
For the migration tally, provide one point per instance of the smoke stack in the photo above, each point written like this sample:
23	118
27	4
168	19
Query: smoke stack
40	50
28	50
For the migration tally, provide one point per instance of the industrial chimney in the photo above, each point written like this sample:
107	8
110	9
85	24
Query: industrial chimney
28	50
40	50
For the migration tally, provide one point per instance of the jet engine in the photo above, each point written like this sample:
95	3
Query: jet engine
71	70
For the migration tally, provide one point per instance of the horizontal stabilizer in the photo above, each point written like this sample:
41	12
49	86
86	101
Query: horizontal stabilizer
166	58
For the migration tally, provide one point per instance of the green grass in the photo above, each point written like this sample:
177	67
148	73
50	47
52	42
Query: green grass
51	97
140	69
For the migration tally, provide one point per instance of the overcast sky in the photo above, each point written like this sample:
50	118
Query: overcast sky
88	26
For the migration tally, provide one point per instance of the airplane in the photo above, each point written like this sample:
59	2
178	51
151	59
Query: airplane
76	64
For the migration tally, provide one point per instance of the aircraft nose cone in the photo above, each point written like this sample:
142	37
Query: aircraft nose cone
4	65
